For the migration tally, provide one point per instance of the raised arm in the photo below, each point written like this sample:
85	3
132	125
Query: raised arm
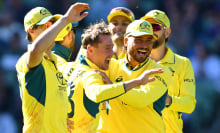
45	40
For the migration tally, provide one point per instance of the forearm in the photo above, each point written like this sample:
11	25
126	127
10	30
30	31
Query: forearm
46	39
131	84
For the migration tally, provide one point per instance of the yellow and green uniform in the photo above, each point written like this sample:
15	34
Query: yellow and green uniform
121	56
182	90
64	63
138	110
44	96
62	51
87	91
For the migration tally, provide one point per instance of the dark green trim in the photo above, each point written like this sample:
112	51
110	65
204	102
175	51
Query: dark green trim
72	88
125	65
91	107
36	83
62	51
160	103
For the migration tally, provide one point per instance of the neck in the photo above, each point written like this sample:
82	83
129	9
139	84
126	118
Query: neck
158	53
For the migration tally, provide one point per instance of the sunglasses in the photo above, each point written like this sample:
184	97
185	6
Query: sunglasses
121	9
157	27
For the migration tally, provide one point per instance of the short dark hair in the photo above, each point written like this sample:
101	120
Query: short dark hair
92	33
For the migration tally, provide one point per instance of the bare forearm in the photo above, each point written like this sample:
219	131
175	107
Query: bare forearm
131	84
46	39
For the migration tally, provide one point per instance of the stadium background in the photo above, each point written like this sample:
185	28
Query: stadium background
195	34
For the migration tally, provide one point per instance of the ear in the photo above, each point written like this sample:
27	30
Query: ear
168	32
30	30
125	41
89	49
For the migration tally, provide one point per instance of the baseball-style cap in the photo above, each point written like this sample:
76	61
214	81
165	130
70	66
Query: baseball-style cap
157	16
139	28
65	30
121	11
37	16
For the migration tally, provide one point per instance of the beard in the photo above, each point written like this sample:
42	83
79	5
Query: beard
159	42
138	59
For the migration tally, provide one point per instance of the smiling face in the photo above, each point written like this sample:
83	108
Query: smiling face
101	53
117	27
138	48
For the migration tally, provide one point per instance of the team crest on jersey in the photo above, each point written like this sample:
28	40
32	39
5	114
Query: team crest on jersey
60	78
119	79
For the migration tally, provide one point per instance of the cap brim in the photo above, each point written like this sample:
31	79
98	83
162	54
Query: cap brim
118	14
152	19
46	19
141	34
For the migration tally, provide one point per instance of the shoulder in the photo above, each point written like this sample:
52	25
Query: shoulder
21	63
181	59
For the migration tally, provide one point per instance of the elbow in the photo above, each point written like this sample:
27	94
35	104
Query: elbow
191	107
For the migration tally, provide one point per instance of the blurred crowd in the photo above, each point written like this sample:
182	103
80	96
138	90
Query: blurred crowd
195	34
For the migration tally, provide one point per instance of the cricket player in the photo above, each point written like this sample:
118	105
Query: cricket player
88	91
139	110
181	94
42	86
119	18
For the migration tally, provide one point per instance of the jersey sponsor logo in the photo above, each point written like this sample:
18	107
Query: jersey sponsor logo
119	79
188	80
60	78
161	79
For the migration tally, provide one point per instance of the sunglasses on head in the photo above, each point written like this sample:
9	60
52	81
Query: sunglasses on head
157	27
120	9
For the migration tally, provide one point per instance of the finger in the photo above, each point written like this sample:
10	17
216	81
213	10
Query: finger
151	79
70	127
153	71
70	122
84	14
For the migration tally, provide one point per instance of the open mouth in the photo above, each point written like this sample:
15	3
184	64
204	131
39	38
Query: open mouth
107	61
142	52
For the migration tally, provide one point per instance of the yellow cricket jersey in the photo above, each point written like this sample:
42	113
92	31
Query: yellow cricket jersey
138	110
44	96
64	64
62	51
121	56
87	91
182	91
